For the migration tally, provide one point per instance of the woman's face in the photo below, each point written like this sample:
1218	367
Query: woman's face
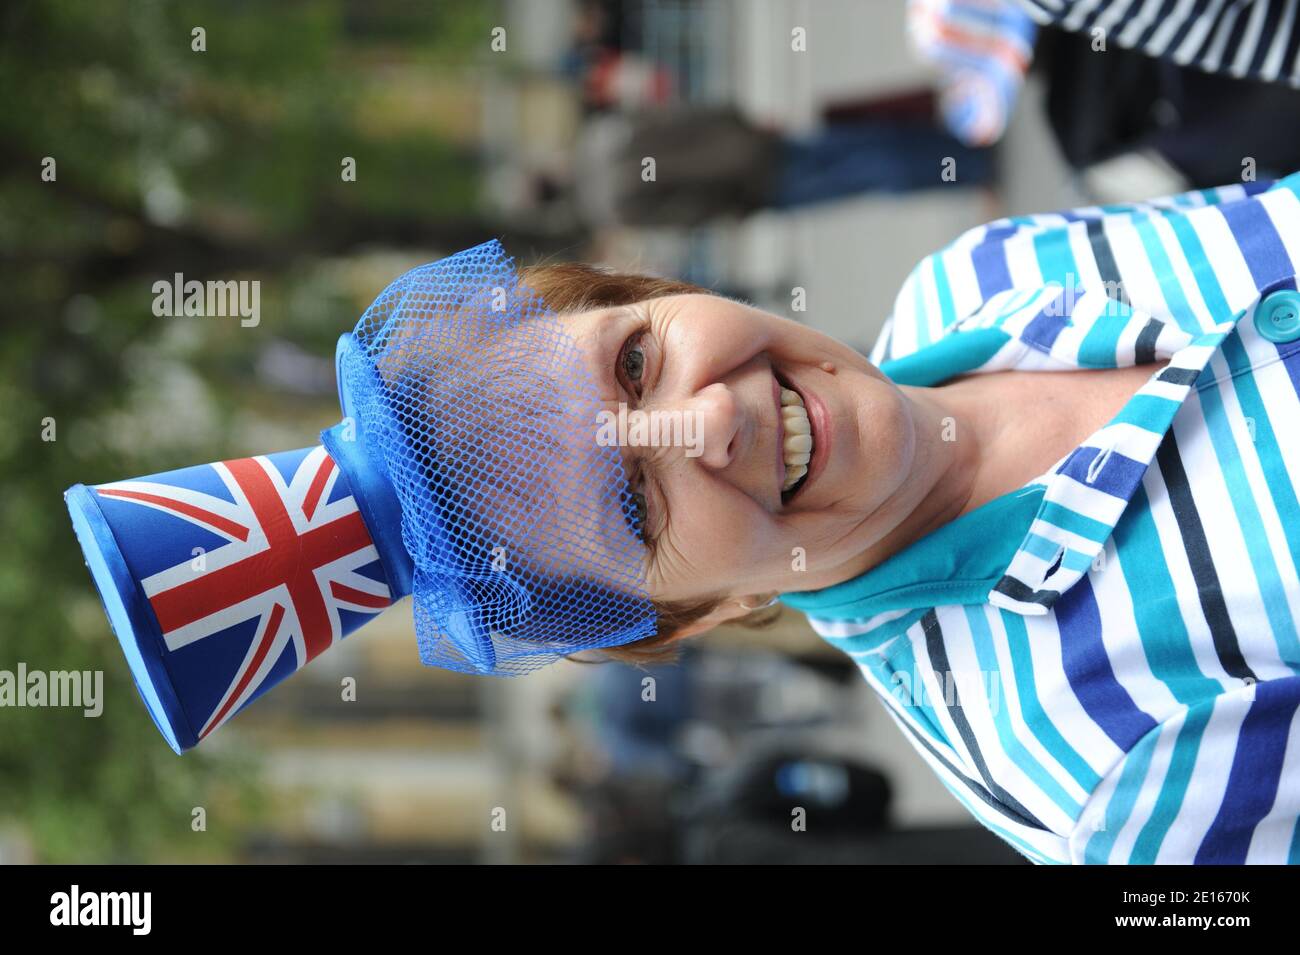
713	490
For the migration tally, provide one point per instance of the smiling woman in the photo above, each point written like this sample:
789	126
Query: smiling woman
784	495
1067	470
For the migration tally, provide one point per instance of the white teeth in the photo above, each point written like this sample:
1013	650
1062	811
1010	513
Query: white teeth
797	451
796	420
798	443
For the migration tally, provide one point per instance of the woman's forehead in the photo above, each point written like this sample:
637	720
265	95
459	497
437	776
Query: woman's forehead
588	322
536	467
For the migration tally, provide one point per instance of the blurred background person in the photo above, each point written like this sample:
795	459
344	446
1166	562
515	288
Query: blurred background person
716	164
1144	99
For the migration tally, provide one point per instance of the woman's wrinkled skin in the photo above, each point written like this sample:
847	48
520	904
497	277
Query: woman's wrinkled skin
901	461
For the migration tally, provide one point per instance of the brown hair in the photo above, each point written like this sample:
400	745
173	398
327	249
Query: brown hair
577	287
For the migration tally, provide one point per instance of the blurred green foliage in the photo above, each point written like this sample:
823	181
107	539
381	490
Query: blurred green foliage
219	164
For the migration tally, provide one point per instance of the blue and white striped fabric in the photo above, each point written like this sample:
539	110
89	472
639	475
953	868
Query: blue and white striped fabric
1104	665
1259	39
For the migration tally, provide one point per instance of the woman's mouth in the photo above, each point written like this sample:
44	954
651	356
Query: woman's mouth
805	433
797	446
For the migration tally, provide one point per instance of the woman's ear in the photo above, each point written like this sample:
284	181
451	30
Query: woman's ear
731	609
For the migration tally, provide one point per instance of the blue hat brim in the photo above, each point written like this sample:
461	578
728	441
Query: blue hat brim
130	616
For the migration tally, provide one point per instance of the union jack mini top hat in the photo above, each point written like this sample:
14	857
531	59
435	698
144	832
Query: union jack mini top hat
465	473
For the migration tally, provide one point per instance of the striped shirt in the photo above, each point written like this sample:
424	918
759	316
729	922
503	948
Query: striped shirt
1259	39
1104	665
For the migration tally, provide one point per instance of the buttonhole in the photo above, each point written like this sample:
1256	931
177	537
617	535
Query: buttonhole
1097	464
1056	563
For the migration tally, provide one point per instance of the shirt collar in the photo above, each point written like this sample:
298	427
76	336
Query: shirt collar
956	563
1061	521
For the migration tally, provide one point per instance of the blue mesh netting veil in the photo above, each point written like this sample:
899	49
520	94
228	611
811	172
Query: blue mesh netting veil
479	408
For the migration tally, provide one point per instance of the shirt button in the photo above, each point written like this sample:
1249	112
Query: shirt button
1278	316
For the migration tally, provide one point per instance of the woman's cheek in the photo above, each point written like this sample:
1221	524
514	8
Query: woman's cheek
887	430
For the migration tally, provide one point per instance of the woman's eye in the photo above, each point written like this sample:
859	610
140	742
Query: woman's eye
633	360
638	512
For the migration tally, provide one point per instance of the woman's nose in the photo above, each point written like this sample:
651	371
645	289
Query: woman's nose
712	426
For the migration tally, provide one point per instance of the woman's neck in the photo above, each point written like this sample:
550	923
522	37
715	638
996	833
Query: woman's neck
953	439
982	436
